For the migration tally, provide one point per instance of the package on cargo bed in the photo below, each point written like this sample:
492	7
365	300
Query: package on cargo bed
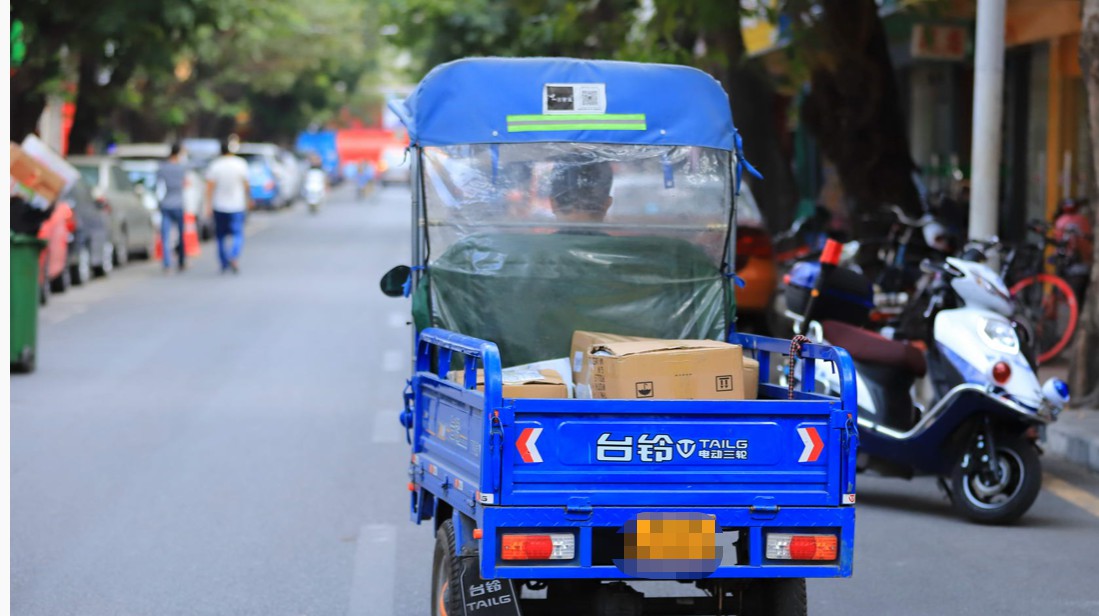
667	370
524	383
751	378
582	342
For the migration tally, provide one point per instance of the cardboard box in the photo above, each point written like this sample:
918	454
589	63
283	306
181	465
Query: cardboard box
751	378
582	341
35	176
524	383
667	370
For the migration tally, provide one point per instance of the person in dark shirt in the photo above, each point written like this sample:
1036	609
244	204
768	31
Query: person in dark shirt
172	177
581	193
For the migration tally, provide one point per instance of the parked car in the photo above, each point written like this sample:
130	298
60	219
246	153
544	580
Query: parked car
264	187
54	259
131	221
287	182
394	167
141	161
91	249
200	151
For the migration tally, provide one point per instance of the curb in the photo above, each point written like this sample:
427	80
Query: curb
1064	442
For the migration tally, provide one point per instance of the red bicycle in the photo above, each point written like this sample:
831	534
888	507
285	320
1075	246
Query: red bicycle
1047	302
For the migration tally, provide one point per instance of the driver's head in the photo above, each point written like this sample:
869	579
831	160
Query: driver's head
581	192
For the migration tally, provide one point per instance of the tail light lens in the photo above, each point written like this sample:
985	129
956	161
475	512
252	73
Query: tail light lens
754	242
70	218
1001	372
551	546
787	546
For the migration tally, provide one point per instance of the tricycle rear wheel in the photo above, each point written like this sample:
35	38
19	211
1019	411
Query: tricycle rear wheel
446	598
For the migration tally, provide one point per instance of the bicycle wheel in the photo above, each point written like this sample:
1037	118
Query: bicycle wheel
1050	305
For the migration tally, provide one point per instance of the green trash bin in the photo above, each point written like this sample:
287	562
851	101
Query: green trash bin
24	300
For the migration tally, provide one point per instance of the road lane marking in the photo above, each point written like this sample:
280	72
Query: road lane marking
1072	494
374	577
386	428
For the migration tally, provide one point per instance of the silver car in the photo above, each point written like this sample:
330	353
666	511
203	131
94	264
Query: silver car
132	229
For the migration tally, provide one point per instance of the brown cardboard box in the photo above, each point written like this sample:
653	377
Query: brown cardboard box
34	175
751	378
525	383
582	342
667	370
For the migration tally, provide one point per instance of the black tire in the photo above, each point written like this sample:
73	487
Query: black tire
44	284
784	597
82	270
1017	456
63	281
106	263
446	573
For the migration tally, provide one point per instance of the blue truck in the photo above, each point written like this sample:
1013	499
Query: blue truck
563	505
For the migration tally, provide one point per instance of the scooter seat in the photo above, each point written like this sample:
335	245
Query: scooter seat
872	348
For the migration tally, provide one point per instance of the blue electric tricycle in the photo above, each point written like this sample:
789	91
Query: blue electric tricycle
557	195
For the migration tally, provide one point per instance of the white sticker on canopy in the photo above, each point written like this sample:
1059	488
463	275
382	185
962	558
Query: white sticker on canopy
567	98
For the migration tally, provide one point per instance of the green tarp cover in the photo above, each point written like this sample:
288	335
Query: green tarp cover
529	292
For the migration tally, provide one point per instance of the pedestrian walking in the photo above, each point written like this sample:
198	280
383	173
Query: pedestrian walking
228	194
171	179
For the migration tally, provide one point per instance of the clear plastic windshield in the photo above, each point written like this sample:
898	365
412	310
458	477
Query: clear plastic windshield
528	243
539	188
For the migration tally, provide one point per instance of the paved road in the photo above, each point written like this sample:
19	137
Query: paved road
208	444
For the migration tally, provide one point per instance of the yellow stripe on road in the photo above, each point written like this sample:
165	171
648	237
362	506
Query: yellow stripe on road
1076	496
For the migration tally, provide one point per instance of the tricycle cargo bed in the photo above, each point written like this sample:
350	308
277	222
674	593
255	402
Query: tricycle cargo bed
673	452
590	453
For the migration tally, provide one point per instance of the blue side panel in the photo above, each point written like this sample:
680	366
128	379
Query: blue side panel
672	452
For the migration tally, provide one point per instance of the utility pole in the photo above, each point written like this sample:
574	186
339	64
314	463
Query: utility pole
988	88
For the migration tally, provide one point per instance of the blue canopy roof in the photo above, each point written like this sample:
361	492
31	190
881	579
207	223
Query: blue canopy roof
524	100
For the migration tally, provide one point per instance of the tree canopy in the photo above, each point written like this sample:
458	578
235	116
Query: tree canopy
164	66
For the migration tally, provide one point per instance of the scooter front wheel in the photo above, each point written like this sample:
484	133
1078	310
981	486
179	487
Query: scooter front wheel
987	497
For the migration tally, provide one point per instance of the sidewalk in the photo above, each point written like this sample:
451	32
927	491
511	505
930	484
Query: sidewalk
1075	434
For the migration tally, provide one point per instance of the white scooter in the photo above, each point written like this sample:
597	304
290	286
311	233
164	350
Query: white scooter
314	189
967	409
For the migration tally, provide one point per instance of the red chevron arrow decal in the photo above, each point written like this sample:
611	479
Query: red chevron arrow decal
814	445
527	445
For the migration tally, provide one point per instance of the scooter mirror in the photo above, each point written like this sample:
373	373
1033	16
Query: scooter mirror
394	281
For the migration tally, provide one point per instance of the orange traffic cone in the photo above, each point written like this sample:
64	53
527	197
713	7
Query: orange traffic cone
191	246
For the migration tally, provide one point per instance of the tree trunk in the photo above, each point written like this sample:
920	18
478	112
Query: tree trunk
753	103
1084	371
853	109
27	100
95	102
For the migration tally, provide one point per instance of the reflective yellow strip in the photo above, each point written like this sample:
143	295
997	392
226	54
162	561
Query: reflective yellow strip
608	121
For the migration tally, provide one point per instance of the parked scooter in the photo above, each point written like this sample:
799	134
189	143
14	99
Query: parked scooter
967	409
316	185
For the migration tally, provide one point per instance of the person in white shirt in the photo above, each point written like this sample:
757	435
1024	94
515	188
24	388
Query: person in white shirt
229	195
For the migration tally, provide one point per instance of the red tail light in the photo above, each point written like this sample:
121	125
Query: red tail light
70	219
831	253
1001	372
753	242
